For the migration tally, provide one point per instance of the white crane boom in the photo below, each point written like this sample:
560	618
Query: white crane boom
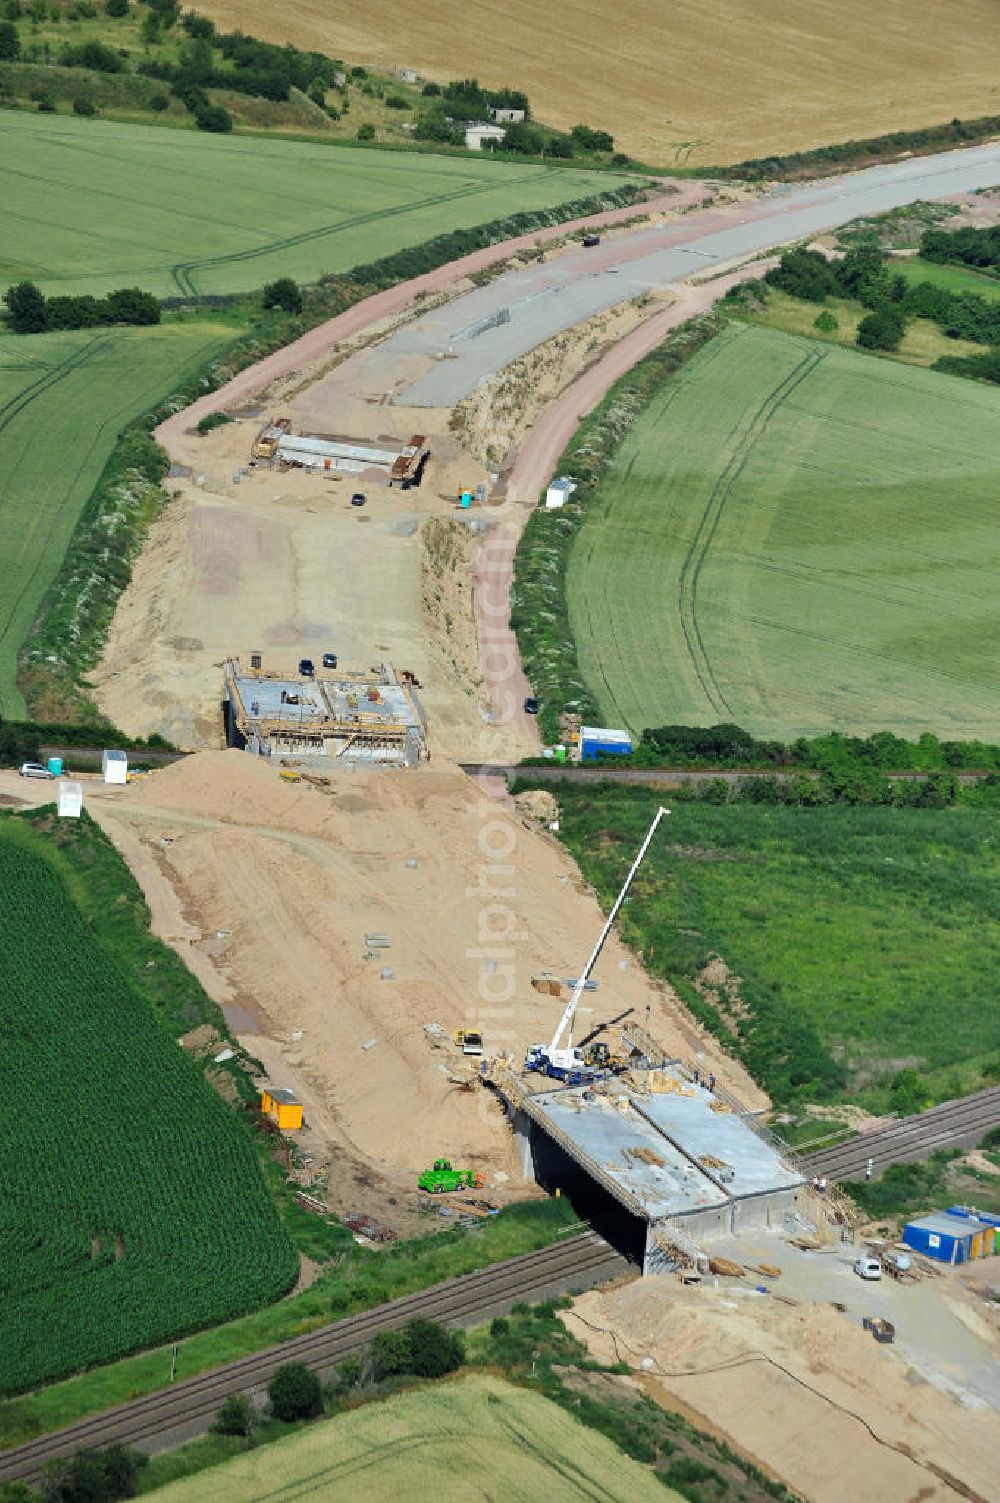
566	1021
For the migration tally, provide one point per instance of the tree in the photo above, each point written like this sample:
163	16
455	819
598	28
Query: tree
366	132
234	1417
592	140
10	42
116	8
213	117
295	1392
27	308
882	329
825	322
130	305
283	294
390	1355
159	102
84	106
434	1350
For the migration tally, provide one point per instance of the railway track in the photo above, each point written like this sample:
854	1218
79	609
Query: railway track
171	1415
953	1124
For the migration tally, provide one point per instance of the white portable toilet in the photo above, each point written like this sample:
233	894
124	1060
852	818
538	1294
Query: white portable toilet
559	492
114	766
70	799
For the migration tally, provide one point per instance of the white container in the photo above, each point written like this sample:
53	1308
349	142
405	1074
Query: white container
114	766
70	799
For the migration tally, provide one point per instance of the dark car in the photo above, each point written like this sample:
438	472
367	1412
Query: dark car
590	240
306	667
329	660
358	499
531	705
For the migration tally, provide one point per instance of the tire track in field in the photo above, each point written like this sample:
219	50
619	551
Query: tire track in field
8	412
182	272
690	571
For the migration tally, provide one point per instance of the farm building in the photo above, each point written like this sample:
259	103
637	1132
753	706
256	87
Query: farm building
114	767
360	717
408	75
475	135
559	492
70	804
601	741
950	1238
282	1106
506	117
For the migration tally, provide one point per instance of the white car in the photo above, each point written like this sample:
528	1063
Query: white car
868	1268
35	770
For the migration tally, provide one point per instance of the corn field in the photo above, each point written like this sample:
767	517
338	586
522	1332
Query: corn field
132	1207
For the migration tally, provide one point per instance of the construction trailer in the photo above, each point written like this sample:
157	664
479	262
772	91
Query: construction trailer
360	717
283	1107
401	463
70	804
950	1238
603	741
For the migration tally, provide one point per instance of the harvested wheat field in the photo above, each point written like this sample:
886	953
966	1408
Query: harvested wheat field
684	83
477	1439
295	877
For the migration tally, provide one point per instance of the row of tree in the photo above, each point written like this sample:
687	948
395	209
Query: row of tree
730	746
29	311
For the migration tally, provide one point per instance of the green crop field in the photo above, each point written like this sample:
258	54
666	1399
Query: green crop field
63	400
474	1439
90	205
875	931
132	1204
797	538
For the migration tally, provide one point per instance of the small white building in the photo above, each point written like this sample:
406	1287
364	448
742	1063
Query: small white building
407	75
559	492
70	799
475	135
507	117
114	766
339	80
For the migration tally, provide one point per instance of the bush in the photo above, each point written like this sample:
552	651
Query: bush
826	323
116	8
213	420
213	117
397	102
423	1348
365	132
92	55
283	294
84	106
295	1392
499	1326
159	102
46	104
95	1476
234	1417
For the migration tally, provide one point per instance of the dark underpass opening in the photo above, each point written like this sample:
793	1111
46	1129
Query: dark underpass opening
556	1170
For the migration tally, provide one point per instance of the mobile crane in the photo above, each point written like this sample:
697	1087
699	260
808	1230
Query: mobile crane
568	1063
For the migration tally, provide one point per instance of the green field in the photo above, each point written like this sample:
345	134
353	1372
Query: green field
957	279
90	205
797	538
473	1439
869	935
63	400
132	1204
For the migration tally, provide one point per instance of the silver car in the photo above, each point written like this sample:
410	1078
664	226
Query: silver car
35	770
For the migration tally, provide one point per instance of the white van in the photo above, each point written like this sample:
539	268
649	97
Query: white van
868	1268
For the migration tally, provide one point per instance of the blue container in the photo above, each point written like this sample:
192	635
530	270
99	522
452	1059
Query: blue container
55	765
